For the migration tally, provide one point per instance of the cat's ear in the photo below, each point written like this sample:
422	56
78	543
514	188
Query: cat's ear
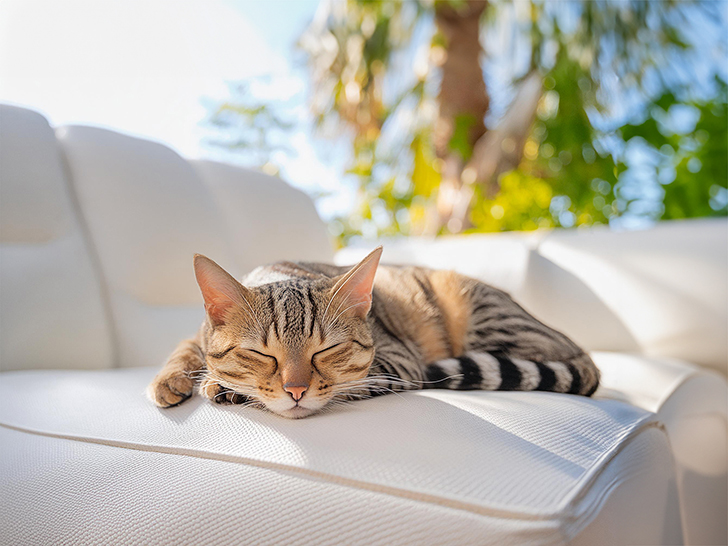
219	289
354	288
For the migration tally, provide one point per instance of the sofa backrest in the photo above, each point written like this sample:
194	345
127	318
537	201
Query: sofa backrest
143	212
266	219
662	292
147	213
52	309
659	292
98	229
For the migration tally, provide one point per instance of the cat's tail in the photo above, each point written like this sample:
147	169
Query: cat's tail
494	371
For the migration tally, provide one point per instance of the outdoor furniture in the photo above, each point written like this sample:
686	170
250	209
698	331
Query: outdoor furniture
97	234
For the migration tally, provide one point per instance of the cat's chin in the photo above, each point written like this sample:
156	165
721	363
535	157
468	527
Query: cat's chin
296	412
286	407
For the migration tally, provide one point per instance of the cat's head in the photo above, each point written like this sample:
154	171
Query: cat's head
292	345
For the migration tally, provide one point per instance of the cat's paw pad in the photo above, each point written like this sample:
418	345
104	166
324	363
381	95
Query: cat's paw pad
219	394
168	390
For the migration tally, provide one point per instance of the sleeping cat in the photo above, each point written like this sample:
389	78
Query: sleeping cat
295	338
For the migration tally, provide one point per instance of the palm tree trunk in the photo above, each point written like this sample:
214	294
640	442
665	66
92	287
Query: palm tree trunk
463	102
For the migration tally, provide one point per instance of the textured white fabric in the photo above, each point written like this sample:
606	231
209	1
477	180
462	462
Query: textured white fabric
661	292
539	468
59	491
268	220
668	286
524	437
693	405
52	313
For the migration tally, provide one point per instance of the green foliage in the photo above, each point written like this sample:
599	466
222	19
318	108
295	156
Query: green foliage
251	127
562	181
573	170
692	166
565	181
605	143
521	204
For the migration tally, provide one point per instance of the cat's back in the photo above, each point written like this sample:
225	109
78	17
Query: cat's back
396	280
412	286
429	307
291	271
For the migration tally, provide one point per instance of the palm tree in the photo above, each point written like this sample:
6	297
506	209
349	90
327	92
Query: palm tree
405	81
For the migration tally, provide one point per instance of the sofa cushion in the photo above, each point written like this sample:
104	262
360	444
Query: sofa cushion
52	311
691	403
61	491
540	468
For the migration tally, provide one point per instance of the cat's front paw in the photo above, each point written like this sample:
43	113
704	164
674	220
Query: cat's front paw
169	389
217	393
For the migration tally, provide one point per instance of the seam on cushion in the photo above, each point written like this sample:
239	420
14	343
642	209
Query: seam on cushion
582	487
91	248
308	473
576	524
573	527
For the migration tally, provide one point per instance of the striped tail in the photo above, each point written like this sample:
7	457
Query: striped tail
494	371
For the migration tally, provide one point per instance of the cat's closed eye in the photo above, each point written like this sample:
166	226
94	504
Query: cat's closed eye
328	348
245	358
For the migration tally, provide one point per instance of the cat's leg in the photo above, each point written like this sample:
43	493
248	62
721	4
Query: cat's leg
508	349
176	382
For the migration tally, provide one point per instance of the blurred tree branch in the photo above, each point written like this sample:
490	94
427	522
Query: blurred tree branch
412	86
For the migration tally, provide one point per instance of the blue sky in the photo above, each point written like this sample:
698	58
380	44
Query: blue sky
148	67
279	21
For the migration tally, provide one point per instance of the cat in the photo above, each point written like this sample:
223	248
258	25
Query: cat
295	338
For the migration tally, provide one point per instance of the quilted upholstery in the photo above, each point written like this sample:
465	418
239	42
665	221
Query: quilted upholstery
279	223
147	214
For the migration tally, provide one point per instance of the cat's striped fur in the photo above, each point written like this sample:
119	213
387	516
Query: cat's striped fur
298	335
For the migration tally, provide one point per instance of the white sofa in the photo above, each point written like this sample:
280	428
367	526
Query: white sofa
97	231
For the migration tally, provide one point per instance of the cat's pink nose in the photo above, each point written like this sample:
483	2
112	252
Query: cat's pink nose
296	391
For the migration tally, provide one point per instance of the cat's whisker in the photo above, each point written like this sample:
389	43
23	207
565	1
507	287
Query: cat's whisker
330	325
443	380
414	383
380	380
350	390
345	310
331	300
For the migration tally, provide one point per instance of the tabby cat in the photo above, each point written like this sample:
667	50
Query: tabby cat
297	337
